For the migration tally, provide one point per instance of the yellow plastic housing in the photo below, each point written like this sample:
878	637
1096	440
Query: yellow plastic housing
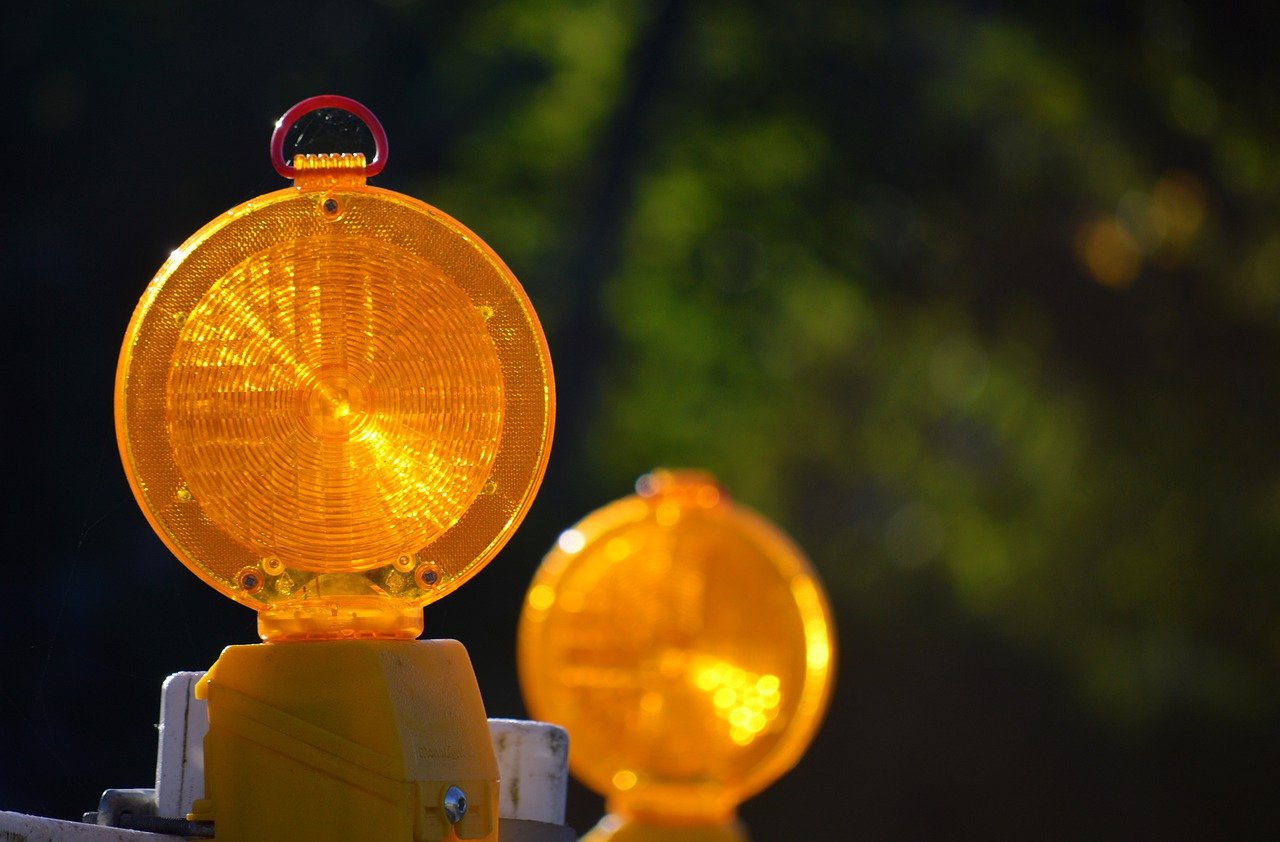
349	740
334	404
685	644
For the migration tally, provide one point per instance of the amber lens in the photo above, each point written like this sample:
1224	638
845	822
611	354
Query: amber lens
335	403
337	389
684	643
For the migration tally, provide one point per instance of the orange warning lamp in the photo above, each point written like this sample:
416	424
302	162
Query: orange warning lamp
687	646
334	402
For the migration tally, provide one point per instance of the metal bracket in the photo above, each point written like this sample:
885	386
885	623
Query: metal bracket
135	809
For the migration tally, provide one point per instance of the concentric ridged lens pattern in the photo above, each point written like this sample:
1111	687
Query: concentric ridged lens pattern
335	403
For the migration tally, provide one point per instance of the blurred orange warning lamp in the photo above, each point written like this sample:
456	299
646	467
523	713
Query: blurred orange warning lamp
334	402
687	646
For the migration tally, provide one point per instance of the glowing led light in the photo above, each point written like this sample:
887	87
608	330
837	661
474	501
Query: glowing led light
342	391
695	654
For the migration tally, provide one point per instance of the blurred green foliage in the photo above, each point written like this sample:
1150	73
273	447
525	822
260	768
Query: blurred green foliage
979	301
954	293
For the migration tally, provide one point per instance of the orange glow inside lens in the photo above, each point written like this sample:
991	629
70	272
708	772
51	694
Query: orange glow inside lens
342	389
335	404
686	645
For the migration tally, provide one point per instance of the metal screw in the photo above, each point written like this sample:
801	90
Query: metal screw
455	804
427	575
330	206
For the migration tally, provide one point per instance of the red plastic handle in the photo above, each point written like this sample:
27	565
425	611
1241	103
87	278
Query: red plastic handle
315	103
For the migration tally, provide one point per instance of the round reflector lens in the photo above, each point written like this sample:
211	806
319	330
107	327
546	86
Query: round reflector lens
343	389
686	645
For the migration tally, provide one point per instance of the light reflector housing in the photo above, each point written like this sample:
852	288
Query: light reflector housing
334	403
685	644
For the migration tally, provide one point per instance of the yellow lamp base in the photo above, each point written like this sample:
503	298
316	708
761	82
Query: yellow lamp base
347	739
615	828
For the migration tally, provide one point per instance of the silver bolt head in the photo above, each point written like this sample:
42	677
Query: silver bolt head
455	804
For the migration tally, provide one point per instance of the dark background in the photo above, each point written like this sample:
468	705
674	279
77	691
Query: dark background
979	301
